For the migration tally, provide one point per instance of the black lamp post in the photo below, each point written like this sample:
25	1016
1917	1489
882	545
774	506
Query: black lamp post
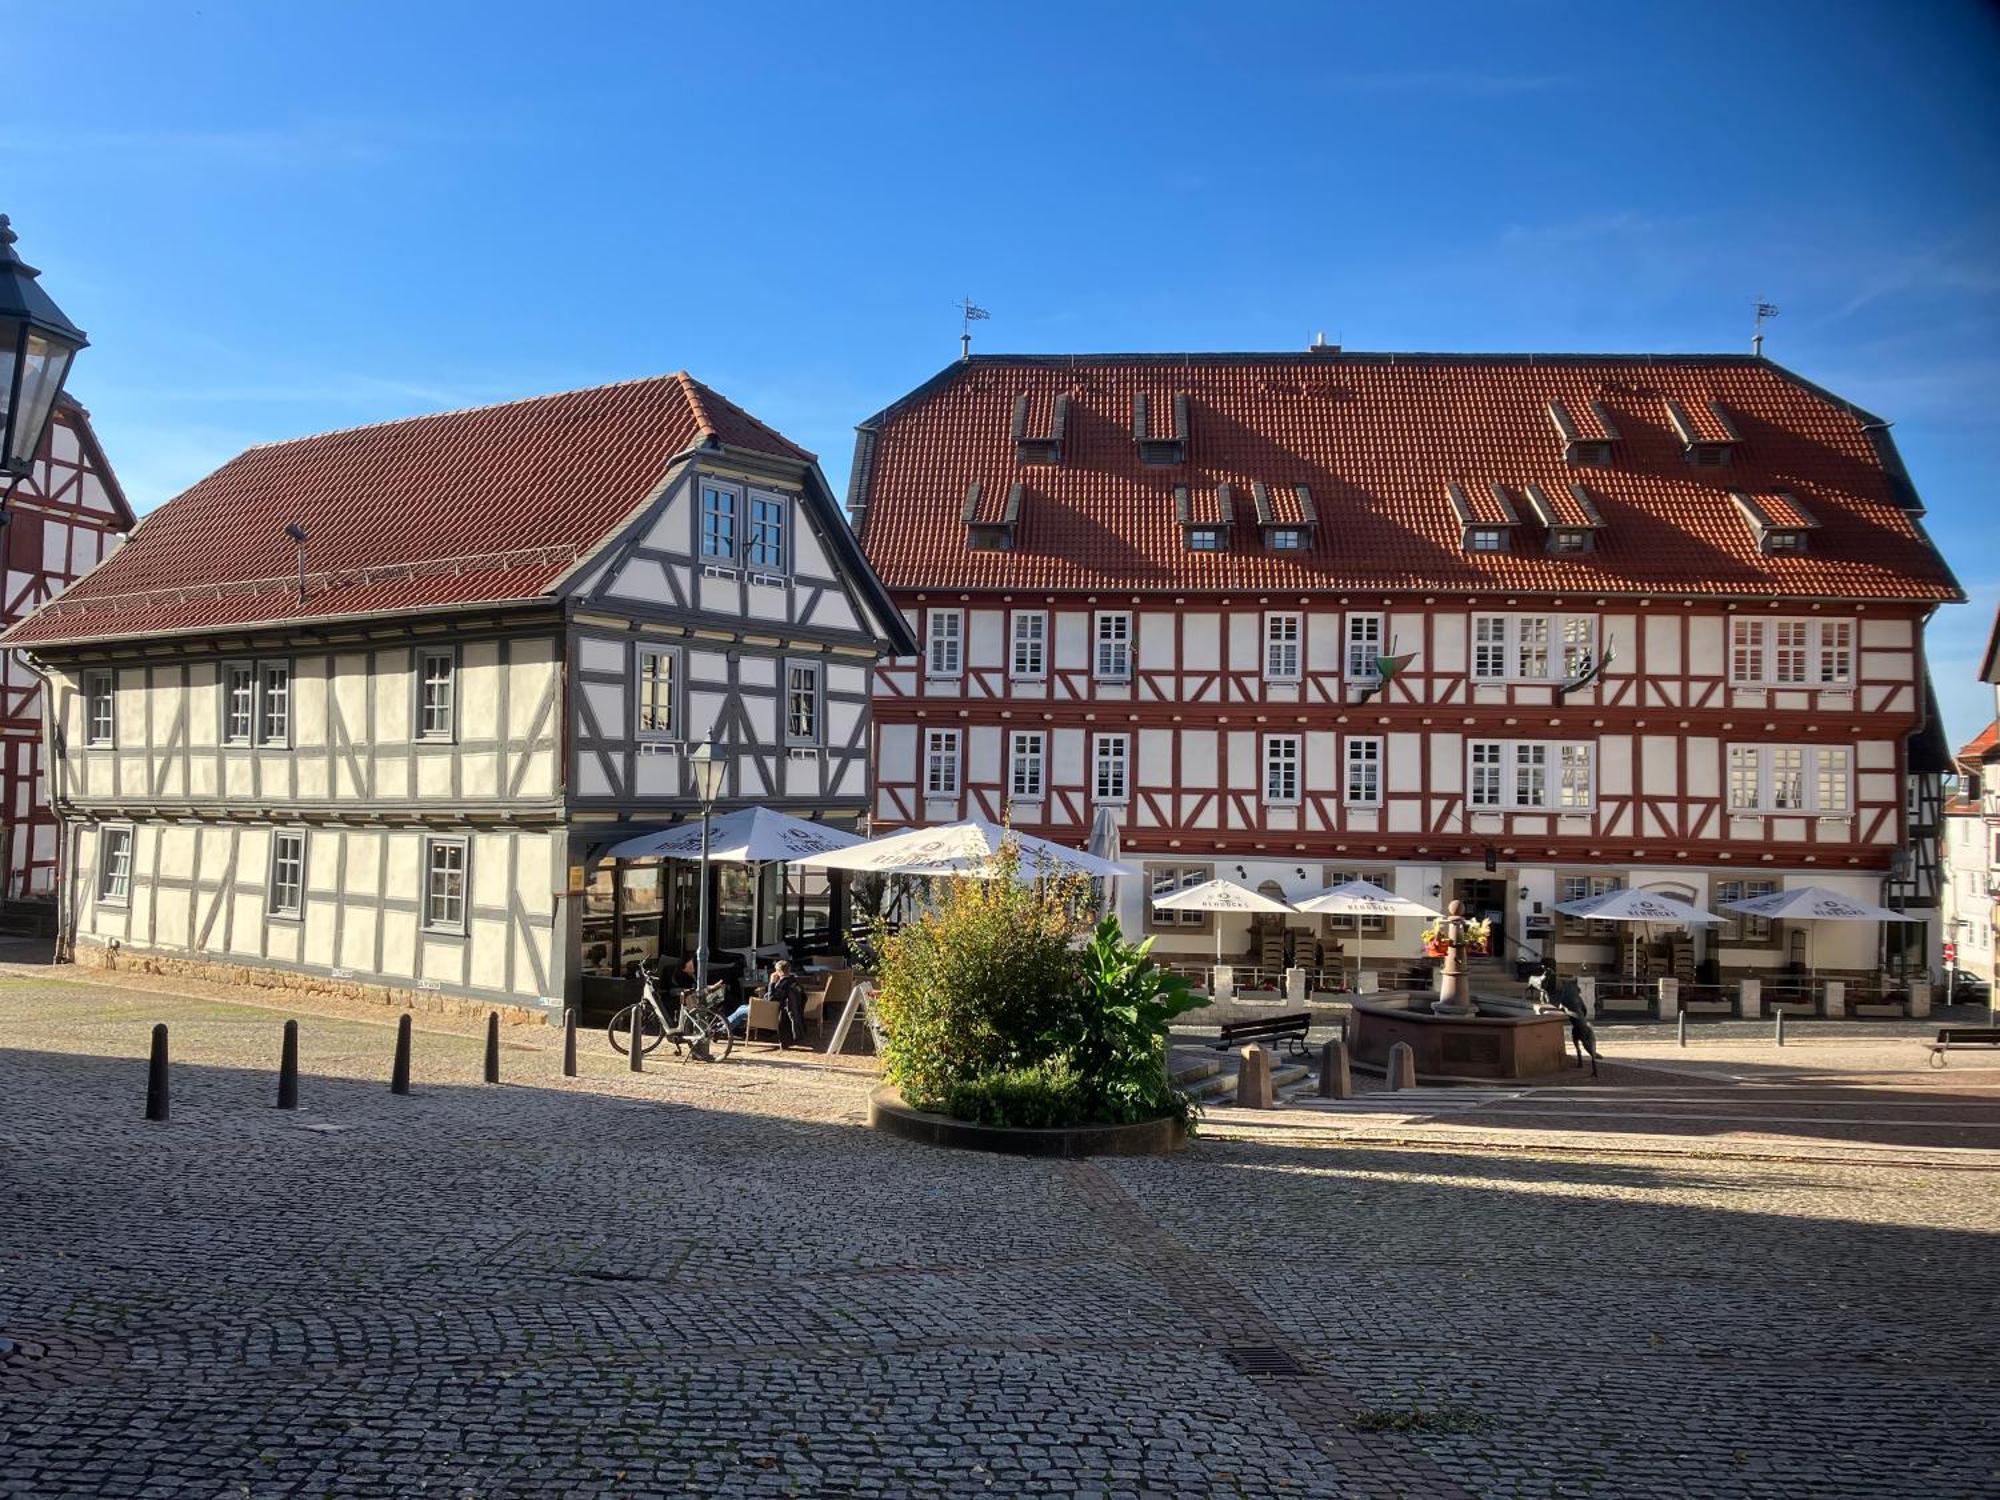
708	769
37	343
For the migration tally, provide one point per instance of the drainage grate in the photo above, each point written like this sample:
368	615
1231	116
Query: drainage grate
1263	1359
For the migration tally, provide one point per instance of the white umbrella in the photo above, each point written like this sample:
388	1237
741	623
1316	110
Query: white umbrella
965	848
1638	906
750	836
1220	895
1104	843
1814	904
1364	898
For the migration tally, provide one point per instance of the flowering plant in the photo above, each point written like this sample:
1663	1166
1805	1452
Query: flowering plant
1475	932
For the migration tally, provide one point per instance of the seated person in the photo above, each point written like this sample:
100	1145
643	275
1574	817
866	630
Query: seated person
789	992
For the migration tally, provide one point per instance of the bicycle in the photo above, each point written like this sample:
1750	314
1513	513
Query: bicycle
700	1026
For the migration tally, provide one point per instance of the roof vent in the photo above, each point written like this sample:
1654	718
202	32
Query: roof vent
1707	435
1587	437
989	532
1777	520
1160	449
1486	520
1035	443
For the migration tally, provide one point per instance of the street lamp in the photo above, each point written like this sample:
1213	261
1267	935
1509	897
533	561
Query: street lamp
37	343
708	771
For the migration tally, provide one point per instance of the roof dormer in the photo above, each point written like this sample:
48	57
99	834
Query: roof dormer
1162	449
1039	442
1205	524
1486	519
1707	435
1286	519
988	530
1587	437
1570	517
1779	523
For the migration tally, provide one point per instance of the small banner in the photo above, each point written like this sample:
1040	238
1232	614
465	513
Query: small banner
1386	668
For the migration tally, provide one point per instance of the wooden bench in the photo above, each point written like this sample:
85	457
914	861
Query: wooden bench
1952	1037
1291	1029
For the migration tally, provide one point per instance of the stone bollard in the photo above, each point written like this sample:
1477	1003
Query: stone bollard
1779	1035
1920	999
1368	982
1401	1072
493	1046
1335	1082
288	1068
1586	991
1670	999
1295	986
1750	999
1253	1079
399	1073
1223	989
569	1042
1836	999
1681	1028
156	1075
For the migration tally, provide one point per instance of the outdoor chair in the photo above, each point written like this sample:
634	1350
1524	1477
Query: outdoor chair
832	996
763	1017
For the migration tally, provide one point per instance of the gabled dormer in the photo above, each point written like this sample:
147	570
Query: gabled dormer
1486	518
1286	520
1160	448
1569	516
1035	442
987	530
1780	524
1205	525
1588	437
1708	437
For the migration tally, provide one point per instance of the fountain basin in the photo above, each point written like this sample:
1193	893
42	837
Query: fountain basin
1504	1039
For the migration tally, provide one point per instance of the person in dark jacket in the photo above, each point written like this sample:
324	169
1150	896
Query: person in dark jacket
789	991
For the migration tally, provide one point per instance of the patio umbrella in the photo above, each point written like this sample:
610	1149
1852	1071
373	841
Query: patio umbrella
1364	898
1104	842
1814	904
1638	906
962	849
1220	895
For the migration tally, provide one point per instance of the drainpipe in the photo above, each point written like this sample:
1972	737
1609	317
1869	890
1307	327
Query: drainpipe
65	832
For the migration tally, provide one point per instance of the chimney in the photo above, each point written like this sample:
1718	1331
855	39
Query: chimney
1321	346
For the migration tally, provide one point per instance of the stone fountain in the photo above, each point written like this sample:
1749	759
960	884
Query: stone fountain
1456	1036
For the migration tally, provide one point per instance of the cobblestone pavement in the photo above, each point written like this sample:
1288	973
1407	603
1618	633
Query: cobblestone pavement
714	1281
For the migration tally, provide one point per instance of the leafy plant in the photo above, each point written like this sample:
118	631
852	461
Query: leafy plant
1116	1039
1046	1095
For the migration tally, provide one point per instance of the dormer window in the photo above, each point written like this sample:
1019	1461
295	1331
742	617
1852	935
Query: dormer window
1486	518
1160	449
1204	527
1569	515
1569	541
1206	539
1708	437
1287	518
986	531
1285	538
1587	436
1034	444
1779	523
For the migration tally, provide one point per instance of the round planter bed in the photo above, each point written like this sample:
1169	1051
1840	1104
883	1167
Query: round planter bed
888	1112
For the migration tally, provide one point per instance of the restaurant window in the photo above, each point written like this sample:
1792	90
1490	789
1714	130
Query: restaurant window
1740	928
1164	880
623	908
1579	888
1335	926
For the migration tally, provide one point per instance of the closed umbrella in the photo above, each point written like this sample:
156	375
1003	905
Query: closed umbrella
1364	898
965	849
1813	904
1220	895
1104	842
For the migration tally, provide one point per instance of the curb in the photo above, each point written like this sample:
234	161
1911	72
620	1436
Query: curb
888	1113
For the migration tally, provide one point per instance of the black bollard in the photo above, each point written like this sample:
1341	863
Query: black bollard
569	1043
1781	1029
1681	1028
156	1076
399	1078
493	1046
288	1068
636	1059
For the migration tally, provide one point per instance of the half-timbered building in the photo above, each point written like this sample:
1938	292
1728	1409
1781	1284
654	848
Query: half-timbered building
1505	629
369	706
63	519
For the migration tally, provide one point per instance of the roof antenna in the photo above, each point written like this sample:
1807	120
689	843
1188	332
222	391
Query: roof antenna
969	313
298	535
1765	311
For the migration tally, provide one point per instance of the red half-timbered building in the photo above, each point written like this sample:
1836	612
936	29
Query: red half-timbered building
62	520
1508	629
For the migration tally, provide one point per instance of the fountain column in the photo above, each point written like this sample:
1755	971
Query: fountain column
1454	999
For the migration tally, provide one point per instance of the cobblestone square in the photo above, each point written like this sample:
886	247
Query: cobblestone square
717	1281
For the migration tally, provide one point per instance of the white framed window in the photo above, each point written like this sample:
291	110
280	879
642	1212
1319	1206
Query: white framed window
445	868
1740	927
1532	648
1281	768
1113	657
239	702
274	703
802	703
1516	774
286	890
1334	926
114	864
1778	652
1575	782
1805	779
1027	765
1285	538
656	713
1486	539
719	505
1484	782
1363	635
1581	887
941	762
1205	538
1364	770
1112	767
1031	644
1164	880
765	549
100	708
1531	775
945	633
1282	634
437	693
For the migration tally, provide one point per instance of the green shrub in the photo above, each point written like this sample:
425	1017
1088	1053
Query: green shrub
1038	1098
1116	1040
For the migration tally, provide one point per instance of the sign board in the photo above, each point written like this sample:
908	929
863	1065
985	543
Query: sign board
1951	953
856	997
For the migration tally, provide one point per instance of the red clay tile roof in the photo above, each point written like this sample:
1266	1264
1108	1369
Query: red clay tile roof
1980	745
465	507
1377	438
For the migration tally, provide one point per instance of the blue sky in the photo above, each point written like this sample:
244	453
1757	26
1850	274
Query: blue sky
276	219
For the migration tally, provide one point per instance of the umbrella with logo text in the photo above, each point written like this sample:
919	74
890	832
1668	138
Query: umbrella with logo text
1364	898
1218	896
1813	904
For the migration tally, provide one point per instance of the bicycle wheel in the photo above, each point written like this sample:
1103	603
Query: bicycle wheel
646	1019
721	1040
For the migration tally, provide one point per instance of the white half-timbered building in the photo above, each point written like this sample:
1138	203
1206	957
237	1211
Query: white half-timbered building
63	519
1505	629
369	706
